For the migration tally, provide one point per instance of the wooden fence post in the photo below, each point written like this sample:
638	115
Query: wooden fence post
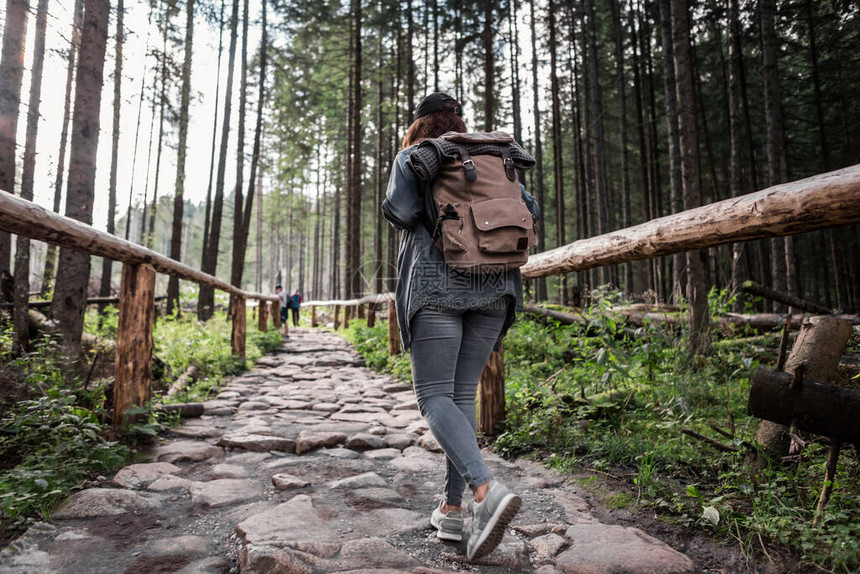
491	395
276	314
393	331
313	315
371	315
336	317
347	311
359	311
262	319
237	310
132	386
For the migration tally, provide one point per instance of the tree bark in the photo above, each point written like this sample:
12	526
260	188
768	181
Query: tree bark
206	297
134	329
817	351
489	67
179	193
697	289
817	202
51	254
353	216
74	267
20	313
11	77
557	159
621	86
491	395
538	148
107	264
671	103
238	259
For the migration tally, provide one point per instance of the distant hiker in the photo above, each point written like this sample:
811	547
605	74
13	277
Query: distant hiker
449	319
285	300
295	304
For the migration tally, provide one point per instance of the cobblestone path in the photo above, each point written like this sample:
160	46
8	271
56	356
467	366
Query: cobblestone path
313	463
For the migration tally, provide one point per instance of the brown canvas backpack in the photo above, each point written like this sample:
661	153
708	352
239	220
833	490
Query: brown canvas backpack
481	222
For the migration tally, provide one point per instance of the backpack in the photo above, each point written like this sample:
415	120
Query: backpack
478	217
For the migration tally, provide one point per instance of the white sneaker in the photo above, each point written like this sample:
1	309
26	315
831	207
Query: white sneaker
490	518
449	526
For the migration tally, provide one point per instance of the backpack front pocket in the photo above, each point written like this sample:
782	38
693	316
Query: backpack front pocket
504	225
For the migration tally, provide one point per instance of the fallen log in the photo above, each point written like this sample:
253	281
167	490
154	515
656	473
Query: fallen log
790	300
185	410
816	352
189	376
560	316
819	408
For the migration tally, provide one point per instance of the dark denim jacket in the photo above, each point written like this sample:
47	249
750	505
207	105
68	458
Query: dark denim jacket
423	278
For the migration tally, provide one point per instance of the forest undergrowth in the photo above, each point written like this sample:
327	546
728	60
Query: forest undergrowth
55	432
604	400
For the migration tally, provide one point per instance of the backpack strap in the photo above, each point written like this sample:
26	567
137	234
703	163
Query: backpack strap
468	164
508	162
448	213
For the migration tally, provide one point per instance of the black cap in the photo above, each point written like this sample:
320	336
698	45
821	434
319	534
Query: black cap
438	102
278	286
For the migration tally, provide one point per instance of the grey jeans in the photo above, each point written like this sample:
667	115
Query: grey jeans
449	351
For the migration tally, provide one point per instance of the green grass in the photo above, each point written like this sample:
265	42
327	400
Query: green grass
59	437
648	389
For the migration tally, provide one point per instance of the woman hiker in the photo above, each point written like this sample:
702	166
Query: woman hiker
451	324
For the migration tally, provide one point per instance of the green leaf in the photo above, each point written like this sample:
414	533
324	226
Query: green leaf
711	514
693	491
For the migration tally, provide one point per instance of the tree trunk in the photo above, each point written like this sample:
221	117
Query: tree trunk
380	138
671	102
107	264
244	224
817	350
353	245
74	267
776	160
538	148
557	159
179	193
206	222
22	246
238	259
206	297
697	290
11	77
74	43
735	129
150	234
514	34
489	86
622	128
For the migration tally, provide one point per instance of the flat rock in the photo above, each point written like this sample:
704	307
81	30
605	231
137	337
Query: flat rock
383	454
601	548
212	565
340	453
187	451
228	471
169	482
326	407
366	480
429	442
365	441
415	465
106	501
374	554
190	546
197	431
284	481
140	475
295	520
224	491
309	440
258	442
549	544
400	440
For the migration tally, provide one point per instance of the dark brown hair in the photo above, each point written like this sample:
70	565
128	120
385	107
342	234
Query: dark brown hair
433	125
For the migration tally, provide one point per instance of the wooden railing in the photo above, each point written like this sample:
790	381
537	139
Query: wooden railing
137	291
821	201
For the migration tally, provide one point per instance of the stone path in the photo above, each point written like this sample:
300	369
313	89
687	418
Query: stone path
313	463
